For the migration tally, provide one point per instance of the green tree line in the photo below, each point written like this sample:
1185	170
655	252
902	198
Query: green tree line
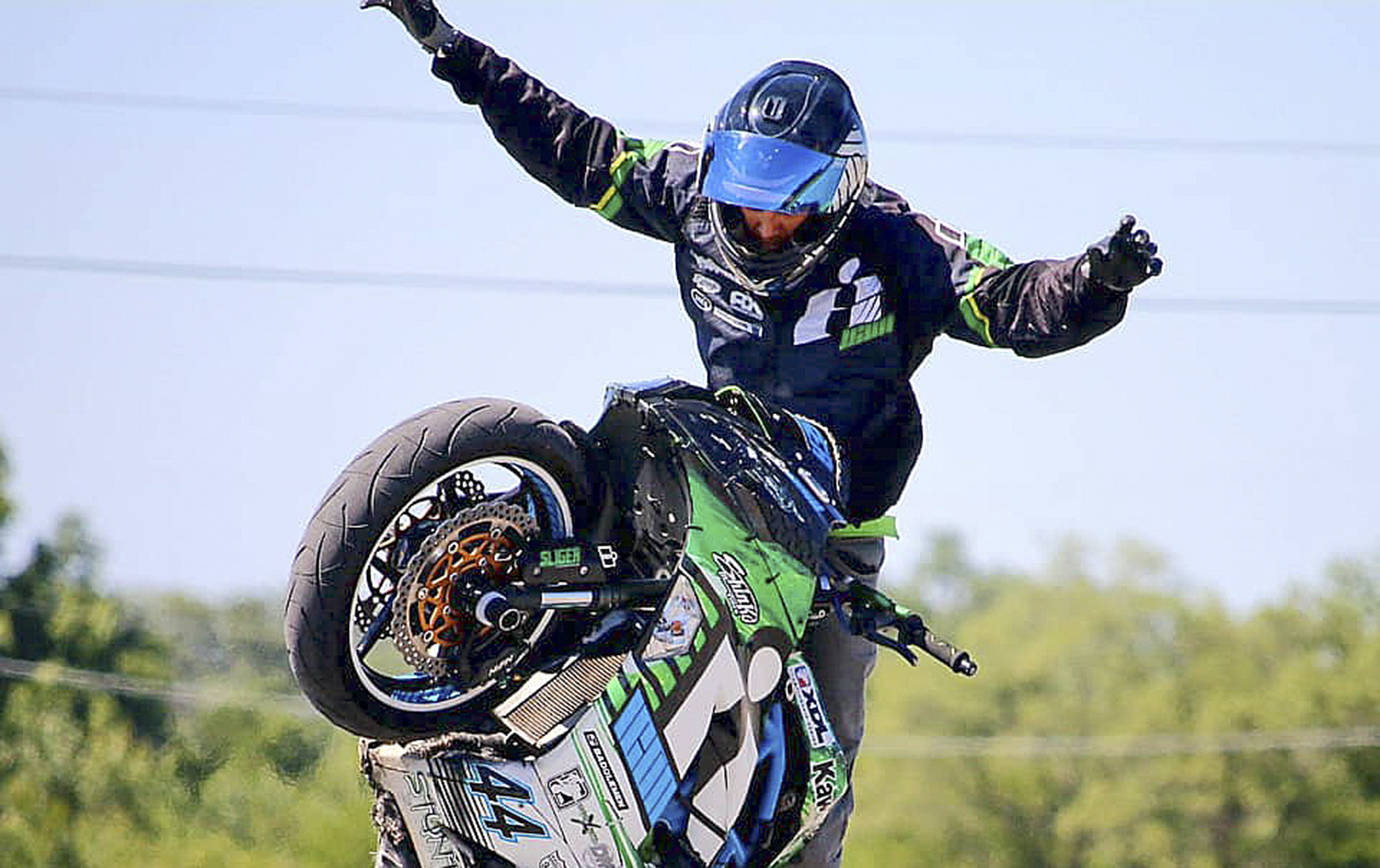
1069	653
1083	647
93	778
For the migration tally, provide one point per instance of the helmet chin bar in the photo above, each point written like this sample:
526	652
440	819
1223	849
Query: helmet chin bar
774	274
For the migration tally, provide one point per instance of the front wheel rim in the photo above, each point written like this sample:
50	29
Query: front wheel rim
386	676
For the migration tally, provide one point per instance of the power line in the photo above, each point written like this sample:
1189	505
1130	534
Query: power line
327	111
50	672
1165	744
268	274
470	282
910	747
237	106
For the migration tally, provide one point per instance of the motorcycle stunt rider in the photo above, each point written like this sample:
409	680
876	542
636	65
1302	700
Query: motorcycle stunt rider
807	282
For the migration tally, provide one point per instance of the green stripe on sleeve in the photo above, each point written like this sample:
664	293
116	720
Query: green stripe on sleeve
986	254
976	319
984	259
635	151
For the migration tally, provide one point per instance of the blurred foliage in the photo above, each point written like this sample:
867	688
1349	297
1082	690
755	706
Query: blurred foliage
89	778
1069	653
1087	646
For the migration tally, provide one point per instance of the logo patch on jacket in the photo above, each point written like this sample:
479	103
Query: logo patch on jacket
739	311
854	311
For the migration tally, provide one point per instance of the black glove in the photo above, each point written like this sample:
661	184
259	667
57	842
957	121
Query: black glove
1124	259
421	18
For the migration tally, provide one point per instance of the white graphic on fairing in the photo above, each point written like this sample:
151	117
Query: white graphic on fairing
720	797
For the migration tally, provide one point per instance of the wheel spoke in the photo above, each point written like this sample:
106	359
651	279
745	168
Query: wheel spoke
371	636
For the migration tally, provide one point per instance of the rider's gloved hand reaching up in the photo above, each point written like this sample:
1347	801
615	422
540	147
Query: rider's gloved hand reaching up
421	18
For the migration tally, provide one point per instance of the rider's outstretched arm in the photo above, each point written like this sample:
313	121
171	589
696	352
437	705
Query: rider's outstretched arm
639	184
1043	306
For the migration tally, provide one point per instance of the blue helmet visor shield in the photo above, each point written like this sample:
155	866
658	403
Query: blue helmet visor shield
767	174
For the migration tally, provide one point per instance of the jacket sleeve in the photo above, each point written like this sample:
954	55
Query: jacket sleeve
1034	308
638	184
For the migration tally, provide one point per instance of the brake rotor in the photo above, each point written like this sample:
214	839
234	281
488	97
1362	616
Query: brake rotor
434	626
413	524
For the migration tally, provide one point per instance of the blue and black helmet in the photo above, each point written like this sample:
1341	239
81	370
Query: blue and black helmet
790	140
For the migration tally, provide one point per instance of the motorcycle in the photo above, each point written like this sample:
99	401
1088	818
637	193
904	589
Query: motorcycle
583	648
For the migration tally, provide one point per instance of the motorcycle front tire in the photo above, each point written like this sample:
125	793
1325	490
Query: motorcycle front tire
359	507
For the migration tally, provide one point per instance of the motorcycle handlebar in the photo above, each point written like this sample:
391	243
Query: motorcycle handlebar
871	612
956	659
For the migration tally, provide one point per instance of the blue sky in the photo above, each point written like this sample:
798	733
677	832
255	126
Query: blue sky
196	423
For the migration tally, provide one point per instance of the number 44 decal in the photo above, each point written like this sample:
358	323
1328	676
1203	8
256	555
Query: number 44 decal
497	790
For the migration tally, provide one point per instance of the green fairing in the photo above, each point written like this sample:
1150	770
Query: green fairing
784	589
615	694
665	675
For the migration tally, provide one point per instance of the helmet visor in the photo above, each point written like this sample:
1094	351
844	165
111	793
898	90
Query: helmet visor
768	174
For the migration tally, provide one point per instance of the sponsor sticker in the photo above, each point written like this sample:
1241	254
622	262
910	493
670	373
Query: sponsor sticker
811	706
608	556
823	784
745	304
705	283
564	557
601	762
741	599
675	628
567	788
